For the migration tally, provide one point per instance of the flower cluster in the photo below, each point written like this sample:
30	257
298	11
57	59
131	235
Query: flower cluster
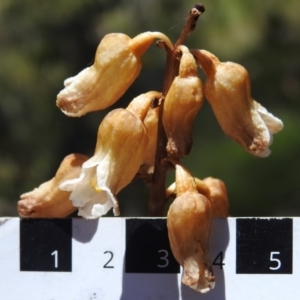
156	124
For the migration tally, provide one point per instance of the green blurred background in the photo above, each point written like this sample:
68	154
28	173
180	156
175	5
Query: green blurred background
44	42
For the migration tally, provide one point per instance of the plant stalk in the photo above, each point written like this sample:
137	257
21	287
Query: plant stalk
157	198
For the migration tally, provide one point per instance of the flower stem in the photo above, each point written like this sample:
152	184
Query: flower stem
157	198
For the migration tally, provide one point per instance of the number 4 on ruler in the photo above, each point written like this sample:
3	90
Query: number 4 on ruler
219	260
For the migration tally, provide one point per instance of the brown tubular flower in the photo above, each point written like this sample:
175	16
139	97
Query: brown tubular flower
121	144
189	223
182	103
117	64
227	88
48	201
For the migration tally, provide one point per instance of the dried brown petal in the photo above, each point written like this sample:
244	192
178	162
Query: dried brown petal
48	201
121	144
117	64
189	224
227	88
182	103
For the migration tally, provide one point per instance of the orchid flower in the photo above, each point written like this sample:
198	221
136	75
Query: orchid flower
227	89
189	223
121	144
47	200
117	64
182	103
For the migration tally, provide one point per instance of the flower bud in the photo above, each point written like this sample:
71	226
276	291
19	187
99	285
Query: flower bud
227	88
182	103
48	201
189	223
121	145
117	64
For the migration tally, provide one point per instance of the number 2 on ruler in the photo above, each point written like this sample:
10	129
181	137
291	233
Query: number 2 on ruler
106	266
55	254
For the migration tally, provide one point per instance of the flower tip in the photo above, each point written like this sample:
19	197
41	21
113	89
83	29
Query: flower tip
261	154
69	105
204	285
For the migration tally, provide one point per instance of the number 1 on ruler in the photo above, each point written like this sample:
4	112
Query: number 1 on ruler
55	254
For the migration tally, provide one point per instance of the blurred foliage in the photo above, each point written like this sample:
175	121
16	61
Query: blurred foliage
44	42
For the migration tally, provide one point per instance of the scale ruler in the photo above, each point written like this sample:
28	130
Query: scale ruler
130	259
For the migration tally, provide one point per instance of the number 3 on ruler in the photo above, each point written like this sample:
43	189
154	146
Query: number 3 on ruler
275	260
164	258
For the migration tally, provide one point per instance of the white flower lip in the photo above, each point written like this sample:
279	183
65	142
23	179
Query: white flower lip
92	203
273	123
266	125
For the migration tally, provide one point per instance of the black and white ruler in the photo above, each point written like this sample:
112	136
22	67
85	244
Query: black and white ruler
130	259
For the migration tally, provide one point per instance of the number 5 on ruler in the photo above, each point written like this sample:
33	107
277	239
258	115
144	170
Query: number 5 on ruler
275	260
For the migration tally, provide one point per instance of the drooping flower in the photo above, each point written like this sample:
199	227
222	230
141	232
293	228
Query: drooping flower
227	88
117	64
189	223
121	144
47	200
182	103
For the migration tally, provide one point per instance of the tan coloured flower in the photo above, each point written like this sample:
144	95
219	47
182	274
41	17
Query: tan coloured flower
117	64
182	103
121	145
227	88
189	223
48	201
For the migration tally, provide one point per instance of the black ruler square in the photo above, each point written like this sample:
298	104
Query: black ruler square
148	248
46	245
264	246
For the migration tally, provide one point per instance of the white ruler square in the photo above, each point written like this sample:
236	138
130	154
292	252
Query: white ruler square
98	253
